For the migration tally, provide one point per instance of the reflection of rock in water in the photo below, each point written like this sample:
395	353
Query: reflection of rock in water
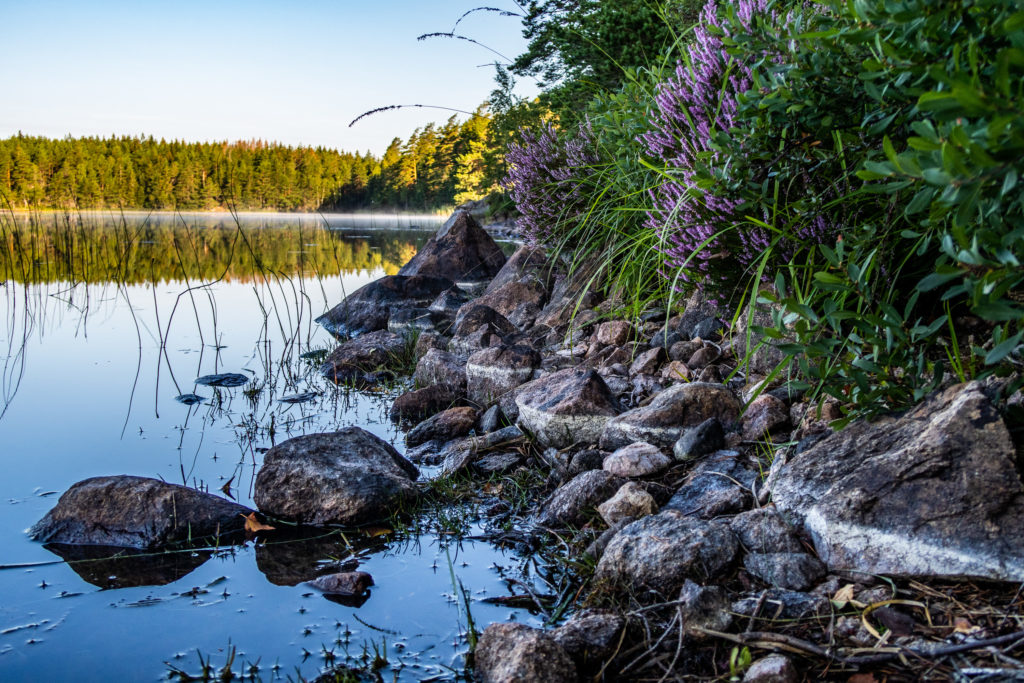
290	562
112	567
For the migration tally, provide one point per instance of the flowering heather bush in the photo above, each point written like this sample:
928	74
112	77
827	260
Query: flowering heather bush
547	179
694	107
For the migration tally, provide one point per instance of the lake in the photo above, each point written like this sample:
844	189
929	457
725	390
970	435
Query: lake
107	318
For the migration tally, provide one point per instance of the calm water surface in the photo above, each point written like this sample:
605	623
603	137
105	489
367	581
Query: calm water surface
106	320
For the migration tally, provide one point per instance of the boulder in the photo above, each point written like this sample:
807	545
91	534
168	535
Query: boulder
573	502
460	251
354	359
566	407
441	367
630	501
517	653
659	553
369	308
638	459
933	492
346	477
526	262
474	315
414	406
718	485
448	424
663	420
519	301
136	512
496	370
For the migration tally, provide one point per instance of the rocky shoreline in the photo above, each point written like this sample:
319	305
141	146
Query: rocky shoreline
721	526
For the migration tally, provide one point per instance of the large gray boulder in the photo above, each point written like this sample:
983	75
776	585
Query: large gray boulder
517	653
933	492
136	512
346	477
369	308
566	407
667	417
460	251
660	552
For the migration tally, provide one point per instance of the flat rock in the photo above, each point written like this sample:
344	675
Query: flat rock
566	407
343	583
791	571
933	492
136	512
718	485
365	354
369	308
347	477
573	503
460	251
630	501
638	459
658	553
448	424
497	463
224	379
516	653
441	367
664	419
496	370
417	405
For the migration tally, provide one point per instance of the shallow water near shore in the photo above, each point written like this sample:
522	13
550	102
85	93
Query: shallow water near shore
107	319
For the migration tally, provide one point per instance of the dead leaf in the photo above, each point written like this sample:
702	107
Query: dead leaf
253	525
226	488
843	596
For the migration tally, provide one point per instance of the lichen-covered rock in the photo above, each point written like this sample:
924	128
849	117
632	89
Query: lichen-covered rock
933	492
638	459
630	501
664	419
655	555
346	477
516	653
566	407
369	308
494	371
460	251
573	502
136	512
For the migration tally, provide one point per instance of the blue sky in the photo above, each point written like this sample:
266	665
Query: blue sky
296	72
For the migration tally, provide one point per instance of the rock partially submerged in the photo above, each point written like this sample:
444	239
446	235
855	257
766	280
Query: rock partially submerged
224	379
354	359
460	251
136	512
369	308
933	492
347	477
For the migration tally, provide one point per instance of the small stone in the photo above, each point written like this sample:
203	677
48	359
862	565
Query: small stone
516	653
763	530
596	548
638	459
631	500
490	420
585	460
710	375
364	354
708	328
648	362
681	351
718	485
781	604
676	371
497	463
791	571
696	442
771	669
703	607
614	333
345	583
448	424
573	502
590	635
765	416
413	406
702	358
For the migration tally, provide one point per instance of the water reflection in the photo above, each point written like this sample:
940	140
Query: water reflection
112	567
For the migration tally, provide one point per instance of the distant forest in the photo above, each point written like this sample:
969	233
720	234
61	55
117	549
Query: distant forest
438	166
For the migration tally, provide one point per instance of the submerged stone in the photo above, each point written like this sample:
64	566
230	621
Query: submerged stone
226	379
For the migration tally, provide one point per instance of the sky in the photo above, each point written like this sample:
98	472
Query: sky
292	71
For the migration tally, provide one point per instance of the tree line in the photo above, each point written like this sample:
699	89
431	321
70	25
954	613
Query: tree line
436	167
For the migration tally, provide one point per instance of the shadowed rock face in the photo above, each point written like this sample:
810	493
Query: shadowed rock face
369	308
460	251
136	512
347	477
933	492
